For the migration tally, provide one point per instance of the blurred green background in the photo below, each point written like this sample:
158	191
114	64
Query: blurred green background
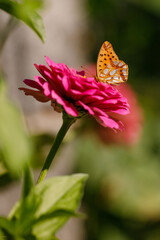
123	193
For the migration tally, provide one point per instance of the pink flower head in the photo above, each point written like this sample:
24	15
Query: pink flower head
76	94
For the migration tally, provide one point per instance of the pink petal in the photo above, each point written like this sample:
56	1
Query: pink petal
90	111
89	92
66	83
106	121
36	94
92	99
44	71
57	97
121	111
47	89
82	73
70	109
50	62
33	84
40	80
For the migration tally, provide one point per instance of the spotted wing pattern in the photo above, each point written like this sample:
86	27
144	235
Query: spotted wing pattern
109	68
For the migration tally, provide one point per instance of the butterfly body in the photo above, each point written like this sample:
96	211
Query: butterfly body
110	69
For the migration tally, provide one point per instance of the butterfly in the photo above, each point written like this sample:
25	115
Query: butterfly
110	69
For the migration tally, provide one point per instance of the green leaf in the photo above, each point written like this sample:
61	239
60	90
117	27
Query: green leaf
14	142
28	182
36	4
14	211
48	206
5	179
2	235
26	214
25	12
6	225
60	193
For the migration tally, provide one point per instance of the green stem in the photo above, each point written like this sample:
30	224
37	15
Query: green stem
67	122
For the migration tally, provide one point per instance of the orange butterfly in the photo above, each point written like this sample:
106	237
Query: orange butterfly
109	68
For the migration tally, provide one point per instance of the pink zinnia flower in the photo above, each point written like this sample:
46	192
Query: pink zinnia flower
72	92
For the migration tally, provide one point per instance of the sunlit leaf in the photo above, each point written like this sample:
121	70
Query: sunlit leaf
14	142
48	206
6	225
25	12
59	193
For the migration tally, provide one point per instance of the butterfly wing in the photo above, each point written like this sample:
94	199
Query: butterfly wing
109	68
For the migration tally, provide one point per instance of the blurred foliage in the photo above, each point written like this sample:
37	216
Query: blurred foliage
26	11
5	179
16	149
151	6
123	194
42	144
15	146
34	5
130	176
45	209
